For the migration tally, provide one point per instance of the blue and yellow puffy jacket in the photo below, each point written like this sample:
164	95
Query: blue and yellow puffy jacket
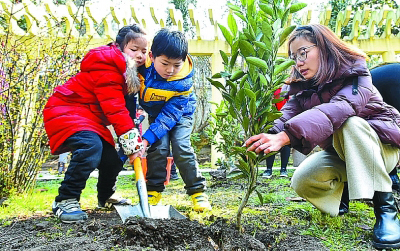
166	100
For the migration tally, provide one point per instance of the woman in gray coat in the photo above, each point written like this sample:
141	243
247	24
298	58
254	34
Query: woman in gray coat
334	105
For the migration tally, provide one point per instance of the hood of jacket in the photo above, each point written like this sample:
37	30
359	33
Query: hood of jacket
111	58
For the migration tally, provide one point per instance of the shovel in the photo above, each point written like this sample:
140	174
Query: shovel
143	209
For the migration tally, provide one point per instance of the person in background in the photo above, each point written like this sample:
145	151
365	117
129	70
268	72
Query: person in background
386	78
62	162
334	104
284	151
76	117
167	96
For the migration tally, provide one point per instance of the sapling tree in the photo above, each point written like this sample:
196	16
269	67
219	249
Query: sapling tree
249	92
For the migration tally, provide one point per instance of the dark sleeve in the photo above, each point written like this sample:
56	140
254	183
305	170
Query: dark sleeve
130	101
141	118
386	79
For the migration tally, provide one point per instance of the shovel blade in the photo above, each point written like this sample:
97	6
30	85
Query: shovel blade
156	212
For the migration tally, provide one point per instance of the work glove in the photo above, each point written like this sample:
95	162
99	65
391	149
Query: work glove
131	141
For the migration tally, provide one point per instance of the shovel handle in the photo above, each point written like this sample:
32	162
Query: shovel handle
137	166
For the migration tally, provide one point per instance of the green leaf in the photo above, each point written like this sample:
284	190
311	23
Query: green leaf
260	45
296	7
246	48
273	115
241	16
239	149
233	58
228	98
217	84
250	93
232	85
267	9
287	2
224	56
263	80
226	33
253	108
244	166
233	7
277	100
222	114
244	78
257	62
286	33
246	122
260	197
285	65
240	96
252	155
216	75
285	18
232	24
232	112
248	35
236	75
266	29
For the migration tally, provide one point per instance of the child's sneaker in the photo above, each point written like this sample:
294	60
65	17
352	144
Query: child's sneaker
283	173
114	200
174	176
69	211
200	202
154	197
267	174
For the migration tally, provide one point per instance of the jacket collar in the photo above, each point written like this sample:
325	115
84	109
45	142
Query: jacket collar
186	71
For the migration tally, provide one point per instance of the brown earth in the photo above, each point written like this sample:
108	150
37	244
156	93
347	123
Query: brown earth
105	231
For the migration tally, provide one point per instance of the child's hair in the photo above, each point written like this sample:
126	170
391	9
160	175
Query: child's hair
139	107
129	33
333	52
172	44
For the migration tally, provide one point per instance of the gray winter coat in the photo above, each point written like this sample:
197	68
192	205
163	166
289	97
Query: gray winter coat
314	113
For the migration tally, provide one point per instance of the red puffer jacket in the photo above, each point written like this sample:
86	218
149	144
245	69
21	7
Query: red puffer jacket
314	113
91	100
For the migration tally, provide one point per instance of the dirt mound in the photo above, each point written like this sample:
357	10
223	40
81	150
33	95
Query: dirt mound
174	234
104	231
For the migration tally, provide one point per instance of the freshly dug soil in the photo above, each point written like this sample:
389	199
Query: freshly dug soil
105	231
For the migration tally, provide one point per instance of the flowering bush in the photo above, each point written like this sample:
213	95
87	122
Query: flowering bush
30	68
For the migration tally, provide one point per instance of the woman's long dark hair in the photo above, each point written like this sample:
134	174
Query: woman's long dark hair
333	52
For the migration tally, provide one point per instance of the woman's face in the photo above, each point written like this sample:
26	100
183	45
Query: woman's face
306	56
137	49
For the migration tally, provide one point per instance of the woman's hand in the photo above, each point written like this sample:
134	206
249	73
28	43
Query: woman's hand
267	142
132	157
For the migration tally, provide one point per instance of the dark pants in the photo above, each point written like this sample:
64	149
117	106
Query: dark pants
184	157
89	151
285	154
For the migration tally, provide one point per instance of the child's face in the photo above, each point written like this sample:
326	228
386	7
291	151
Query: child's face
166	67
137	50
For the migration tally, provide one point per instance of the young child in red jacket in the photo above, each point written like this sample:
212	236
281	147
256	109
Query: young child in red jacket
76	116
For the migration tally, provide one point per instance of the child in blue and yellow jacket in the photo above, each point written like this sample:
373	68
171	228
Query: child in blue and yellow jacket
167	96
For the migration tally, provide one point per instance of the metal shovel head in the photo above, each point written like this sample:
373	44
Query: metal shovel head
156	212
